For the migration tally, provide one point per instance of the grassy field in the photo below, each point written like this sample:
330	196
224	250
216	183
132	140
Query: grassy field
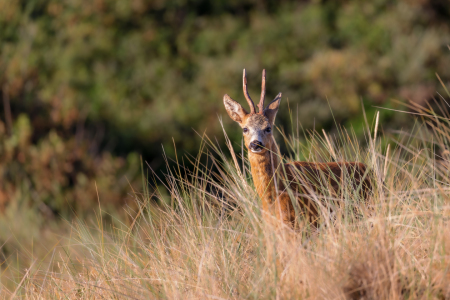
201	234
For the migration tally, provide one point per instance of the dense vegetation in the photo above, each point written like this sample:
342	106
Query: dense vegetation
93	84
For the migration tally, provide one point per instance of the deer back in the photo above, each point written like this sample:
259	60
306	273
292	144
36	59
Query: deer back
306	176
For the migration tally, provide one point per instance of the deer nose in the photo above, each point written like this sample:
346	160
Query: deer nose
256	145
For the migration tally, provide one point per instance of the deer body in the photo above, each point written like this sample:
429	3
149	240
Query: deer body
272	179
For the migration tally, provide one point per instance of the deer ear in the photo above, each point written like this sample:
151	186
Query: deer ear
234	109
271	110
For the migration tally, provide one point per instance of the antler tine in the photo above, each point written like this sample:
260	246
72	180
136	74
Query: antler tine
263	93
247	96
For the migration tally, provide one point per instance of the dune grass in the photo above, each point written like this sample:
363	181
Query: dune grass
200	234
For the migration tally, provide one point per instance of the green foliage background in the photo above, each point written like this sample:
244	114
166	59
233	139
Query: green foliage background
88	86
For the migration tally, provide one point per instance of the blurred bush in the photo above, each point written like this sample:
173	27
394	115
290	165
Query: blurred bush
56	175
89	85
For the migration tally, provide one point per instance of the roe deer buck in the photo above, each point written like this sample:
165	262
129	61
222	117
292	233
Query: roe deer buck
270	176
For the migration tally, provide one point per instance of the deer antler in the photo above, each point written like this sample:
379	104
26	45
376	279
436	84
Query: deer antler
247	96
263	93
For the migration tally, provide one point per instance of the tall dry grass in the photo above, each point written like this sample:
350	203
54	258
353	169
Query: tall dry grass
200	234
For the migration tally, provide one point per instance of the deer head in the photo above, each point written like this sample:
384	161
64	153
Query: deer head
257	126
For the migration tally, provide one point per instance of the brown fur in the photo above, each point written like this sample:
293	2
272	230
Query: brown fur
303	179
272	180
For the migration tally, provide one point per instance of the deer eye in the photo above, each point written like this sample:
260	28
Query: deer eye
268	129
245	130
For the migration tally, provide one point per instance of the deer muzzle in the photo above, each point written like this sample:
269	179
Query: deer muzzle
256	146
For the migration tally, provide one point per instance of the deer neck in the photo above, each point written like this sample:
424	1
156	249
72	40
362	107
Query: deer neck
263	167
